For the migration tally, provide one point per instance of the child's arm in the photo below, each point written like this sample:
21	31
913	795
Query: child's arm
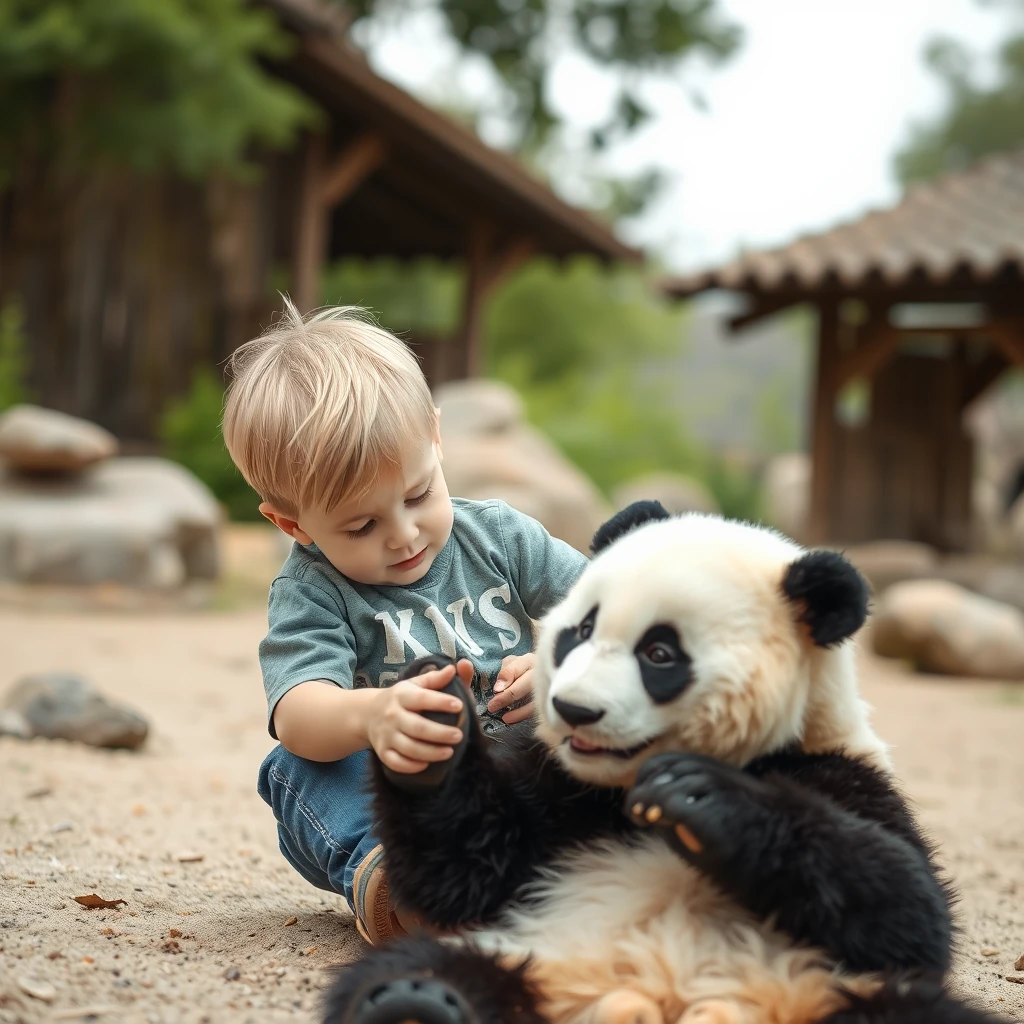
323	722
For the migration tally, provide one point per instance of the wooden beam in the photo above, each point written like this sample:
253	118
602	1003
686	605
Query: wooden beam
979	377
875	349
310	227
351	167
762	307
823	422
1009	341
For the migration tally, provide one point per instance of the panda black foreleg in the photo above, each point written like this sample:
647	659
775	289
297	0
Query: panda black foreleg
420	979
908	1000
828	877
455	853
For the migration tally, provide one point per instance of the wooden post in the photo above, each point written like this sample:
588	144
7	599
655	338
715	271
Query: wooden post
485	268
823	422
325	186
311	226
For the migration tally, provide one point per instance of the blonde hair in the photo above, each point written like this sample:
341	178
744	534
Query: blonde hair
320	408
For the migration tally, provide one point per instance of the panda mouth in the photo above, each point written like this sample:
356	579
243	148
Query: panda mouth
578	745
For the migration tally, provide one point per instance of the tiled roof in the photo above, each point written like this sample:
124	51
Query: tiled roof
971	222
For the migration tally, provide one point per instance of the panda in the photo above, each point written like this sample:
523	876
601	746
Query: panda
699	827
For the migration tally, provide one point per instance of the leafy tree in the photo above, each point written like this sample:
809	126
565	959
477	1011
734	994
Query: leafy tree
162	83
631	39
979	117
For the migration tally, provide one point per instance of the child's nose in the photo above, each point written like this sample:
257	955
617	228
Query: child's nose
404	532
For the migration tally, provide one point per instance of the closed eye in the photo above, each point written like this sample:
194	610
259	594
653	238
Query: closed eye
420	498
364	529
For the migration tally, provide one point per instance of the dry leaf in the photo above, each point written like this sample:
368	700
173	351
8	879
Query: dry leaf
291	921
94	902
174	934
171	946
1017	979
311	950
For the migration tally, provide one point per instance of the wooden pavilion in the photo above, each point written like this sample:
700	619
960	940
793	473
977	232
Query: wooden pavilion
146	278
920	308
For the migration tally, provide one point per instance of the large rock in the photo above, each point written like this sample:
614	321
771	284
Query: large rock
143	522
59	706
941	627
677	492
39	440
885	562
490	452
786	493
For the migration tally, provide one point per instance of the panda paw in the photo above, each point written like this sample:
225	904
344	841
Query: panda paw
715	815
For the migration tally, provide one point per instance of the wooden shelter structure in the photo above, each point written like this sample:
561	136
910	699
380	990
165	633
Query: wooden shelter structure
143	278
920	308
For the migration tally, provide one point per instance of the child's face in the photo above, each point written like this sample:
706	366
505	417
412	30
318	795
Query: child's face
391	535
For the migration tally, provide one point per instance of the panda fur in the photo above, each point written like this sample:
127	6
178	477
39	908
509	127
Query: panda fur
700	826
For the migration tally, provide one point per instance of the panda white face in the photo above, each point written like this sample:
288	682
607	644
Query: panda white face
679	636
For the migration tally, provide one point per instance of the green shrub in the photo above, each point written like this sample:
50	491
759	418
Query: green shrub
13	356
190	430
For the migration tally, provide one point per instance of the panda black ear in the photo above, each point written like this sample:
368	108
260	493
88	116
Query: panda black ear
832	593
629	518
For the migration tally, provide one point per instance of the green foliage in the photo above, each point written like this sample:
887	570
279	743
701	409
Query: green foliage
630	38
979	118
160	83
422	296
13	357
190	431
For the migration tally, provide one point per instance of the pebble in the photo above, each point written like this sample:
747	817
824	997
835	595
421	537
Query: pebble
1017	979
63	826
232	974
989	951
38	989
1019	963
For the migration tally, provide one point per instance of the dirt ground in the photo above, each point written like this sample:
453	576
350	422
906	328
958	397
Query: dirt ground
216	927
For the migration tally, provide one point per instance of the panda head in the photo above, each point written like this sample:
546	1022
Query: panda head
700	634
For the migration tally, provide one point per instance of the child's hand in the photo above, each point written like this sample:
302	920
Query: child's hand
403	739
514	682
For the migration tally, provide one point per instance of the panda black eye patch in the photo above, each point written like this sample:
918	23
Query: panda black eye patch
664	665
573	636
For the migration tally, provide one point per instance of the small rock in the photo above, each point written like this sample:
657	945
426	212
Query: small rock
188	857
1017	979
62	826
63	706
37	989
35	794
989	951
40	440
291	921
232	974
1018	964
14	723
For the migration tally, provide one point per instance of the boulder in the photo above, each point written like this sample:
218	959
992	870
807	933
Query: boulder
491	452
143	522
36	440
677	492
786	493
943	628
61	706
885	562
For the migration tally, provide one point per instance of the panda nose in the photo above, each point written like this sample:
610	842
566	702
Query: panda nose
575	714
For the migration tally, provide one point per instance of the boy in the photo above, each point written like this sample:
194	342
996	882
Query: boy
331	422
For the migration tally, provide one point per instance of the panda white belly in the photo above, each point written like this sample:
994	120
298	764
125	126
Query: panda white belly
633	916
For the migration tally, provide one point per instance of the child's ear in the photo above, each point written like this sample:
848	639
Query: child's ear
285	524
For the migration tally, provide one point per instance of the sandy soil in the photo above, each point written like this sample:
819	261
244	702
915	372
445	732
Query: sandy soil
215	925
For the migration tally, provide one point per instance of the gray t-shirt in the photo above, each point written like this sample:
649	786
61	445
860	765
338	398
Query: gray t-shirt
499	570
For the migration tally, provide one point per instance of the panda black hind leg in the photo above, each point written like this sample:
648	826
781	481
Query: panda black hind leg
420	979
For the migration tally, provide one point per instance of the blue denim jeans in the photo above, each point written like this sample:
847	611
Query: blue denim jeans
323	815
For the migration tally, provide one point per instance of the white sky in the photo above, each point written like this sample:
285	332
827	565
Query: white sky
801	127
